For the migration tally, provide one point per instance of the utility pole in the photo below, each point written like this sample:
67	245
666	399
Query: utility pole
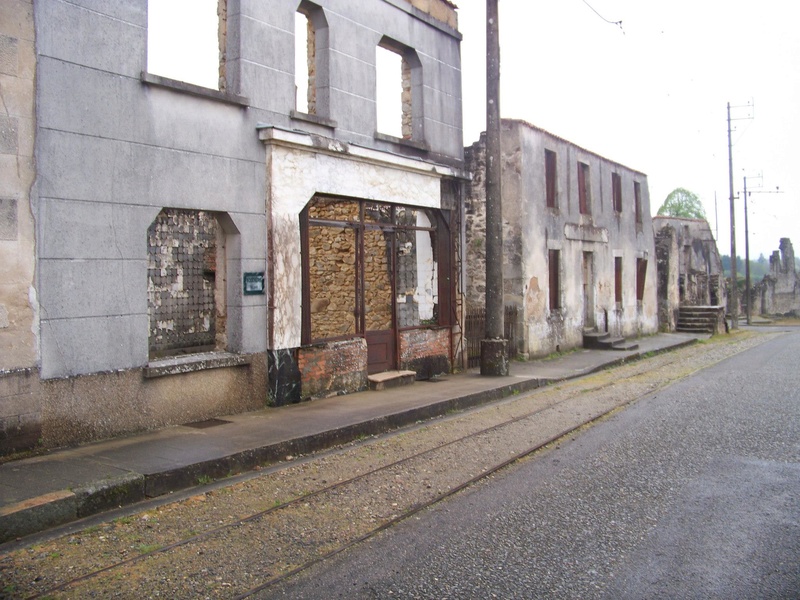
733	297
748	295
494	355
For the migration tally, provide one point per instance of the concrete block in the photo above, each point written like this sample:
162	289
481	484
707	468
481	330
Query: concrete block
270	90
96	169
89	37
252	233
352	75
79	346
254	329
94	230
92	288
276	13
37	514
130	11
109	494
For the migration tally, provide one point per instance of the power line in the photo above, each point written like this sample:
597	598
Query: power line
610	22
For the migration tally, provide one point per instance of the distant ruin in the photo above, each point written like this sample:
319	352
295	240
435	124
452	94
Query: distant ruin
779	291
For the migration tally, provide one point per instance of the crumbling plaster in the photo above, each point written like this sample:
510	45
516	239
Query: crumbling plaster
298	168
531	229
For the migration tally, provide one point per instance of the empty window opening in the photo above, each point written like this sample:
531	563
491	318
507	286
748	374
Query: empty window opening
616	191
368	267
641	274
305	64
584	189
186	41
554	265
398	91
391	89
618	279
637	200
185	283
550	175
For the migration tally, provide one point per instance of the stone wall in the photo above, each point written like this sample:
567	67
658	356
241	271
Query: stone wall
667	258
700	276
780	290
20	404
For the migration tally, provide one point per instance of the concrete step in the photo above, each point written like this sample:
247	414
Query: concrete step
625	345
391	379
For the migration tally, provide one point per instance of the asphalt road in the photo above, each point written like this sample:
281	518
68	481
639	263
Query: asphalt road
693	492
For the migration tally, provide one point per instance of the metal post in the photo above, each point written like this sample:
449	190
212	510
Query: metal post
733	297
494	358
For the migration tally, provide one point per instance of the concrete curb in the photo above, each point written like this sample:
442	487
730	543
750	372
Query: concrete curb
58	508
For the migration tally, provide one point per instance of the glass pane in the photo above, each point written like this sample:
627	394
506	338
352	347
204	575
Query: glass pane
332	275
333	209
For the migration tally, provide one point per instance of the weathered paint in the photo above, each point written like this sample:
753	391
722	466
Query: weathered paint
531	229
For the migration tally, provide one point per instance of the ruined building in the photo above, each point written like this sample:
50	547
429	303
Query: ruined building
779	291
173	250
690	270
578	241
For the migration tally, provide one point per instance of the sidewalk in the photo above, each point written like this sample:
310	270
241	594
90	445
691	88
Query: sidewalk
44	491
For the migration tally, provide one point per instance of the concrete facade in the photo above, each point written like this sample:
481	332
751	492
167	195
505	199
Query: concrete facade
779	292
119	150
690	267
573	265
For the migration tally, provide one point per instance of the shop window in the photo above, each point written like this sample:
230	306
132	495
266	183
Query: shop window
369	266
554	266
185	283
186	49
616	192
584	189
551	178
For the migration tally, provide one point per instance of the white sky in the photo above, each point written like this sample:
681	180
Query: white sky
651	96
654	97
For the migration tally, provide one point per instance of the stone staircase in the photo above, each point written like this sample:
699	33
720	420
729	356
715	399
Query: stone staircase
701	319
596	340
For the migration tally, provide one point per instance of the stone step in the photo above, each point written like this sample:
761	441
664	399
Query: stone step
390	379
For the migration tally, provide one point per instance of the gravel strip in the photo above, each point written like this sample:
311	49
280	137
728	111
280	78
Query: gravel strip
241	557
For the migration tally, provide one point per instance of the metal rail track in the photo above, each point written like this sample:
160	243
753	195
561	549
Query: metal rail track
339	485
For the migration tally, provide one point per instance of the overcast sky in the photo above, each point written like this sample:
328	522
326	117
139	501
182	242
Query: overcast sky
651	94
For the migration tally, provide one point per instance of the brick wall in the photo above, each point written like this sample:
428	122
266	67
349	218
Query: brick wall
426	351
332	368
